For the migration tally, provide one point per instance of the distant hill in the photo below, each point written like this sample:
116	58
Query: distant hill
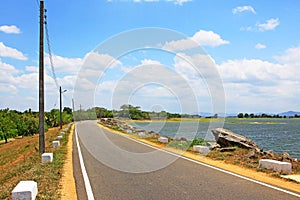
289	113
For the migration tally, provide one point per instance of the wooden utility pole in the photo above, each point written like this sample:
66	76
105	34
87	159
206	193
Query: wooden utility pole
73	106
41	82
60	108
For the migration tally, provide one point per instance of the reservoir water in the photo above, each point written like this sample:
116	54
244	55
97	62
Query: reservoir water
280	135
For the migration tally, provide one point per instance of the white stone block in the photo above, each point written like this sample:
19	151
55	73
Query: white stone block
62	132
59	137
55	143
201	149
278	166
142	134
25	190
47	157
129	131
163	139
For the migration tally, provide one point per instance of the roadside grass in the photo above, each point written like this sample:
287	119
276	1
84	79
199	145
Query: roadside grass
21	160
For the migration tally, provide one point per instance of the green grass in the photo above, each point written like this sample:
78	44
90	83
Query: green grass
180	145
23	162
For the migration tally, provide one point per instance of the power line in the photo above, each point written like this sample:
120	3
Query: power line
38	3
49	51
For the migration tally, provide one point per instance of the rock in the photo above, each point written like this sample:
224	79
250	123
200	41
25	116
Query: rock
285	157
25	190
227	149
227	138
212	145
163	139
270	154
275	165
47	157
252	154
201	149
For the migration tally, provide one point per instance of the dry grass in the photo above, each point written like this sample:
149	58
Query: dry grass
20	160
240	158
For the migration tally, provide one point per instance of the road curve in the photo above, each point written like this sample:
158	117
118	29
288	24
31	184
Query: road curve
182	179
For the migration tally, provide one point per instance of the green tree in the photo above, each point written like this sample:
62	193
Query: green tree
240	115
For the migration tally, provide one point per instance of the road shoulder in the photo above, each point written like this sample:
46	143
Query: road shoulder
68	186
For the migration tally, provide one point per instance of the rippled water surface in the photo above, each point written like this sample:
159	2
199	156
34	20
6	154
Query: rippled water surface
277	134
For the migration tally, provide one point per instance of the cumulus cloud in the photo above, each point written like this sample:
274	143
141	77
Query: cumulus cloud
270	24
249	79
64	64
6	51
291	56
10	29
7	73
99	61
31	69
260	46
23	84
240	9
200	38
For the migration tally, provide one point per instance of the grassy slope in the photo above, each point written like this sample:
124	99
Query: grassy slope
20	160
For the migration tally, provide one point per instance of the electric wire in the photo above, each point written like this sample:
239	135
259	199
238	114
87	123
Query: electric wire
50	53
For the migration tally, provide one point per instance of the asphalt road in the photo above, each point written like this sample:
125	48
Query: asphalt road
114	165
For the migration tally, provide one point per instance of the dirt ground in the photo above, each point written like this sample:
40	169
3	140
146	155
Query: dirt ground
68	187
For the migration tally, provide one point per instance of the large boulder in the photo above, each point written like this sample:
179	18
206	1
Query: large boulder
227	138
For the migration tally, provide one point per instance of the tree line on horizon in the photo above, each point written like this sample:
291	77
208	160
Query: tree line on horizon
127	111
15	123
246	115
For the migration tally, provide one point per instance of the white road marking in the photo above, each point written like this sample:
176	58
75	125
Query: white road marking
87	184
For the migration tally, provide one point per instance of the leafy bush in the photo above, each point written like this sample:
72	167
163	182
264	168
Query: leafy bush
198	141
14	123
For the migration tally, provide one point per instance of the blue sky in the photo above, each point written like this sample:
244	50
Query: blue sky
255	46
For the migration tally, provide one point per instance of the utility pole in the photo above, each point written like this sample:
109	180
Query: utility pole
73	106
41	82
60	108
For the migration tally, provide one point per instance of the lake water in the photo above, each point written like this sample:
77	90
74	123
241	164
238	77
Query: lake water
277	134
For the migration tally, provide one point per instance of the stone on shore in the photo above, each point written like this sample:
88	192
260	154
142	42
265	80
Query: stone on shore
163	139
201	149
275	165
227	138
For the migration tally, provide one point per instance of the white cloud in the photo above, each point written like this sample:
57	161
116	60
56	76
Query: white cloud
31	69
181	2
240	9
270	24
6	51
260	46
7	73
64	64
251	84
200	38
100	61
291	57
10	29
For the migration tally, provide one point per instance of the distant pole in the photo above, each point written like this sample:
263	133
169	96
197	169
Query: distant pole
60	108
41	82
73	105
